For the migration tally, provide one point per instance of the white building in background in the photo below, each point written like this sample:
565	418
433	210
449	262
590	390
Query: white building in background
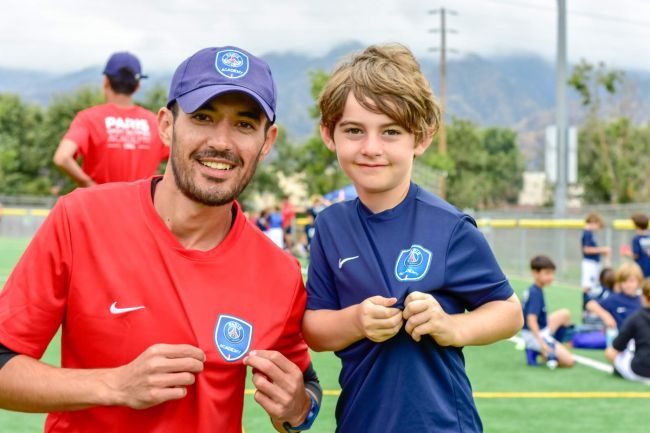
535	191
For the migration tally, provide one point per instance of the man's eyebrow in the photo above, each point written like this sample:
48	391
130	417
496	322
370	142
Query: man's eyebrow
253	115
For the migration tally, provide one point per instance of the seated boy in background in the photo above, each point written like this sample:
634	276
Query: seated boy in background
541	332
624	301
630	351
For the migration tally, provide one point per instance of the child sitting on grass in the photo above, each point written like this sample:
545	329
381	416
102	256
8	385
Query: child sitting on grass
542	332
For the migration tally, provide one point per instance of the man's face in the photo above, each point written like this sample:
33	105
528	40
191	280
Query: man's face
215	150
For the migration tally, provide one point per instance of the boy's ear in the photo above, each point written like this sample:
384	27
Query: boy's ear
424	143
326	135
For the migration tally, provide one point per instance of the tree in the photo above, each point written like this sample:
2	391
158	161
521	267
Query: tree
602	152
313	159
21	157
487	165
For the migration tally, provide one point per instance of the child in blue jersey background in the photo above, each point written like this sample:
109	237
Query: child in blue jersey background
399	279
542	331
630	351
591	257
641	243
625	300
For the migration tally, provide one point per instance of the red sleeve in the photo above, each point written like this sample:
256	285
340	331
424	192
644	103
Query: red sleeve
79	132
32	304
291	343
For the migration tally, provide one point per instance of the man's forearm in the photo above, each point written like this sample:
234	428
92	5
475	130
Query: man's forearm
28	385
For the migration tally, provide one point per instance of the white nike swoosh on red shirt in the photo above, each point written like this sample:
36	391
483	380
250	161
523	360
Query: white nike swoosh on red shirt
115	310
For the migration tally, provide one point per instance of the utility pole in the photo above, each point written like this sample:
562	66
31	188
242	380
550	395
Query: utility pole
442	134
561	120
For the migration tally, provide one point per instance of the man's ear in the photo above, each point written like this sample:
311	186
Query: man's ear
326	135
424	143
166	125
269	141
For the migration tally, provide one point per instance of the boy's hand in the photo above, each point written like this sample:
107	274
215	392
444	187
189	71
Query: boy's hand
606	251
377	320
424	315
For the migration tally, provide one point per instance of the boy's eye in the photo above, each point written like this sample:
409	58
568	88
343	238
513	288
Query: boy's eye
353	131
392	132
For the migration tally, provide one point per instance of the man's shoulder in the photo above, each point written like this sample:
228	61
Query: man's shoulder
110	195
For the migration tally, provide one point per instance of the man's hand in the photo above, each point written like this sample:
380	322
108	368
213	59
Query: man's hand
280	388
160	373
424	315
377	320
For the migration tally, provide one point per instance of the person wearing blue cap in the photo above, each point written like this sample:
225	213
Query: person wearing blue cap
118	140
164	291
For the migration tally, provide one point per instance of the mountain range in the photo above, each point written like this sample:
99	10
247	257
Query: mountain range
513	91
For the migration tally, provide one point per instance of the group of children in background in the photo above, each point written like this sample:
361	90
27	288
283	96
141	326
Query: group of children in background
616	305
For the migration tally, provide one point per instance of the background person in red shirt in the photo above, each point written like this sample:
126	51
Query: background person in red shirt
118	140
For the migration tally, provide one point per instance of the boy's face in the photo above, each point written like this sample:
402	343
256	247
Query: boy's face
543	277
630	286
374	152
593	226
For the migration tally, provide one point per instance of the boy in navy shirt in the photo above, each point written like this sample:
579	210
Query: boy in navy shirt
591	252
625	301
630	353
394	272
540	331
641	244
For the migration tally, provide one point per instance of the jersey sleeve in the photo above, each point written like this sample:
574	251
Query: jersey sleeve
32	303
79	132
535	303
291	342
471	270
625	334
321	292
636	247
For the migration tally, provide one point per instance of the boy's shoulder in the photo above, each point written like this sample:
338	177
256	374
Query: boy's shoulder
425	201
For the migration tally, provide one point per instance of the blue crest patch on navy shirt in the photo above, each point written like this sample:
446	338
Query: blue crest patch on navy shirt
412	264
232	336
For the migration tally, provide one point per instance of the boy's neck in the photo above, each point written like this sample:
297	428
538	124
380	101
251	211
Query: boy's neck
641	232
381	201
539	283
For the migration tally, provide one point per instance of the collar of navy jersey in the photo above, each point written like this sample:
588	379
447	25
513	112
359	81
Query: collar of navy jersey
391	213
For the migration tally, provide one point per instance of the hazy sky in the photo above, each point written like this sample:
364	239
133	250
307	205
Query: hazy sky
66	35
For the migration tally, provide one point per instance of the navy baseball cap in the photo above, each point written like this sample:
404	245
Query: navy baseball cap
213	71
123	60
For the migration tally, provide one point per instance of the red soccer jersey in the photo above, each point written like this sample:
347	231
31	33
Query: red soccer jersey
104	250
117	144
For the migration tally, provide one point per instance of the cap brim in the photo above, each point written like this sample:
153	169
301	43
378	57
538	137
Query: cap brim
192	101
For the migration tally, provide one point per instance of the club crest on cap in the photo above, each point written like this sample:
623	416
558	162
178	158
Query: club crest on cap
412	264
232	336
231	63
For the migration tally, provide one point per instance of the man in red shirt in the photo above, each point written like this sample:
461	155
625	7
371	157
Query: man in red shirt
118	140
164	291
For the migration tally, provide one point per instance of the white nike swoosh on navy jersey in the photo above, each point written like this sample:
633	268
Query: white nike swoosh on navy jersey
115	310
347	259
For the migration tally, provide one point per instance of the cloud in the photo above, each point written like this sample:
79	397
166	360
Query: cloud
66	35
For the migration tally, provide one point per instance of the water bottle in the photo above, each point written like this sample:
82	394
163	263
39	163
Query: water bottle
551	359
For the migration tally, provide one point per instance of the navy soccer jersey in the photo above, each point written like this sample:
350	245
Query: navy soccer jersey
621	306
640	248
534	304
588	240
423	244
